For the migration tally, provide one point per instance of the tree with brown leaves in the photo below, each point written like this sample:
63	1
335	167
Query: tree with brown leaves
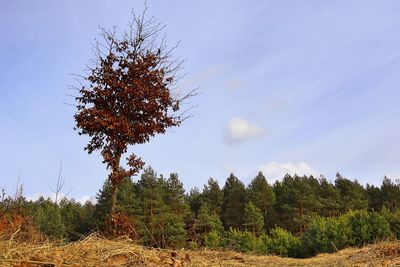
129	95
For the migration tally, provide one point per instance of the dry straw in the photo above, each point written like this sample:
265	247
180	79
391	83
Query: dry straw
95	250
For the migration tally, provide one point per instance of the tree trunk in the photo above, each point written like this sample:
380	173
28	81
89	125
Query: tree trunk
113	200
114	187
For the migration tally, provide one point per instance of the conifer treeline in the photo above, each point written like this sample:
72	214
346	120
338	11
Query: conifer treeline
296	216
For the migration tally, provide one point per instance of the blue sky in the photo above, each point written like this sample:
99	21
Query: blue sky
311	87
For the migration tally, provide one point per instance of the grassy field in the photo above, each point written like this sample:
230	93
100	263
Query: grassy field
96	251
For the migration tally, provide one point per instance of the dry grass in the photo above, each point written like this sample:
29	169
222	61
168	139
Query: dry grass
97	251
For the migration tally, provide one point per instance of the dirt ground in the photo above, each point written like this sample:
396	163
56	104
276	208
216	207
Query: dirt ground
96	251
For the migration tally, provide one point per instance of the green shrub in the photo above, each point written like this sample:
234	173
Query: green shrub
315	239
380	227
324	235
366	227
264	242
241	241
279	242
354	228
283	243
393	218
212	239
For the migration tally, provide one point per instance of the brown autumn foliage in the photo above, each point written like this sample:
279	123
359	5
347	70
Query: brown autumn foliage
123	225
11	223
129	95
19	227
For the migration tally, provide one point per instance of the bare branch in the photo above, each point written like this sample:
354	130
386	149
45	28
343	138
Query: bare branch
59	185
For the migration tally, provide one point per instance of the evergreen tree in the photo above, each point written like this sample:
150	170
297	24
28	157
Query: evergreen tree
352	195
390	194
71	217
87	218
233	202
151	192
261	194
308	212
174	231
374	197
175	196
179	212
127	202
208	221
329	197
48	218
296	201
195	201
253	218
213	196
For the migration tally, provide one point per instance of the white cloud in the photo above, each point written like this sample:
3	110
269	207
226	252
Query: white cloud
274	170
239	130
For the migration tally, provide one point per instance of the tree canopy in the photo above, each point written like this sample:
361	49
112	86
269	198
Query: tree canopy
129	95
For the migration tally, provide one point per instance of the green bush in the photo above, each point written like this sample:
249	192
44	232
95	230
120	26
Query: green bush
324	235
315	239
355	228
241	241
279	242
380	227
393	218
366	227
212	239
283	243
264	242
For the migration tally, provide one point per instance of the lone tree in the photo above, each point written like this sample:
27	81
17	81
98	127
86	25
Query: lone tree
128	95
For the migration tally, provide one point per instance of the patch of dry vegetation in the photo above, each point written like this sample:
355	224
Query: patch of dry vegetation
97	251
91	251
